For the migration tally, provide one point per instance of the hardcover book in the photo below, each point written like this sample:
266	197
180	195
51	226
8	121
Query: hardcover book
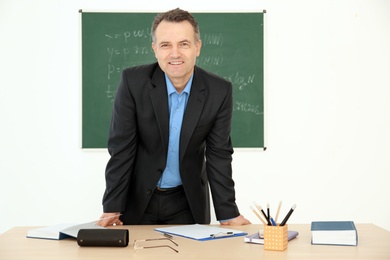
334	233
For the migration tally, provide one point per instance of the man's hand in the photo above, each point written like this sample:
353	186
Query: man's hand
109	219
238	221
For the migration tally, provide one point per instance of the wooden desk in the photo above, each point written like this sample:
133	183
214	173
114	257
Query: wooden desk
374	243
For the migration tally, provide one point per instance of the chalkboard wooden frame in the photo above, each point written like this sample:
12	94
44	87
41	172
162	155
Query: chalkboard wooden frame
232	47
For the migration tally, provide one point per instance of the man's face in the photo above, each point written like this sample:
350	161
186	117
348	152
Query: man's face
176	50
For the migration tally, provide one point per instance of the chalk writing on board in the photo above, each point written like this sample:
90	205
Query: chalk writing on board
110	93
125	53
212	39
127	35
247	108
112	69
215	60
240	80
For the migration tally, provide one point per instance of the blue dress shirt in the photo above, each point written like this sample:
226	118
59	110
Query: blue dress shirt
177	105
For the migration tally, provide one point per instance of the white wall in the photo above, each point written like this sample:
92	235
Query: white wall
328	111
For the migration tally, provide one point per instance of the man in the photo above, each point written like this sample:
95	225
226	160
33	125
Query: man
170	136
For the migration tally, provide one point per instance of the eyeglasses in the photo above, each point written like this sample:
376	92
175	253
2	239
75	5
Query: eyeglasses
136	245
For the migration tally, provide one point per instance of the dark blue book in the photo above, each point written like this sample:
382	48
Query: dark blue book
341	233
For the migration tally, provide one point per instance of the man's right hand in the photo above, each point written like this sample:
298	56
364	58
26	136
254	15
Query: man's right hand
109	219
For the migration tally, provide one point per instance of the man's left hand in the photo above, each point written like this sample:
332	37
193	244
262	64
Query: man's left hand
238	221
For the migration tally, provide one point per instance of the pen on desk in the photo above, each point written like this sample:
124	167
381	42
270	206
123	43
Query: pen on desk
262	211
277	212
222	234
288	215
257	214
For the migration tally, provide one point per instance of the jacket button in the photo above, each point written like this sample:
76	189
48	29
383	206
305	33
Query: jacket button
149	192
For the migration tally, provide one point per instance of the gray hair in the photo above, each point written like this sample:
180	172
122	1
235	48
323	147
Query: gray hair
176	15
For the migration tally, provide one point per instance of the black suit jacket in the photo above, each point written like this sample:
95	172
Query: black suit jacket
138	142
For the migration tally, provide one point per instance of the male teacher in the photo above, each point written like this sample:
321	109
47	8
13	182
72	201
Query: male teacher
169	137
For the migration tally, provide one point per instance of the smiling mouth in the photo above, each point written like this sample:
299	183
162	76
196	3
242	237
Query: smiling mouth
176	62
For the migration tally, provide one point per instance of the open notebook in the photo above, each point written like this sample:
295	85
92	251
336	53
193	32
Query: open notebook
60	231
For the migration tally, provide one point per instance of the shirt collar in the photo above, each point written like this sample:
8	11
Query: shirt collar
171	89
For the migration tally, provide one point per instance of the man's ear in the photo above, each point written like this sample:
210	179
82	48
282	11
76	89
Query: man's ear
154	50
198	46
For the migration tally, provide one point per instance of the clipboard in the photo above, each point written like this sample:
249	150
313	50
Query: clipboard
201	232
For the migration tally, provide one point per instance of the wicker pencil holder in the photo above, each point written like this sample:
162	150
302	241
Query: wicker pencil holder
275	237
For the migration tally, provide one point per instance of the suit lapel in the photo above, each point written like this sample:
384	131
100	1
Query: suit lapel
159	99
193	111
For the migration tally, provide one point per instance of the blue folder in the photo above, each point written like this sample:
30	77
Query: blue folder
201	232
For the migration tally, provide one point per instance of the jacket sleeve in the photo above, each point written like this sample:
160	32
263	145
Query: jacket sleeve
219	150
122	149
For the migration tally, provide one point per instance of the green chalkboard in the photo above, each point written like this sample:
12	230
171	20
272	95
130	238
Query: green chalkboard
232	47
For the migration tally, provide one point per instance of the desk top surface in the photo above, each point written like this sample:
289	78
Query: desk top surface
374	243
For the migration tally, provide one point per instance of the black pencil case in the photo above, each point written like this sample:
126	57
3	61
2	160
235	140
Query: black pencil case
103	237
